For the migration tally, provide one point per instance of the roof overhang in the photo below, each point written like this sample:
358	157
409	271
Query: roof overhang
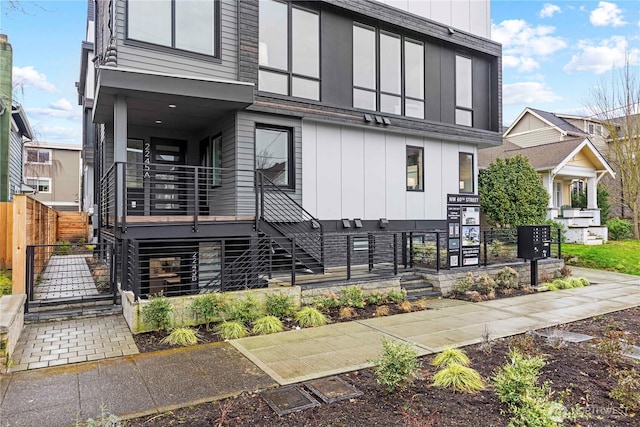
86	49
22	122
197	100
592	153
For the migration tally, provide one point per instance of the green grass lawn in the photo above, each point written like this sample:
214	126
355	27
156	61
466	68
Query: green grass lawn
621	256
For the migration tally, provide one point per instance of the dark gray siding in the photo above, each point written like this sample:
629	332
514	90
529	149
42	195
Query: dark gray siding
447	85
148	57
15	164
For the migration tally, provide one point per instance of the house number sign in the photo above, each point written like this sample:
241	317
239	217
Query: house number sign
147	159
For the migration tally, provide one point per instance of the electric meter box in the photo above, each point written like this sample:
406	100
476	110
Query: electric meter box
534	241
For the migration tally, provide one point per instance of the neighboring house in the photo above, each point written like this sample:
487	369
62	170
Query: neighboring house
220	122
567	160
21	133
53	171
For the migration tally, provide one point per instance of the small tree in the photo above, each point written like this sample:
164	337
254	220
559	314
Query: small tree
512	194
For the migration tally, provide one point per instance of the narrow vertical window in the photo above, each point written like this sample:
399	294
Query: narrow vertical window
464	84
415	164
364	68
465	172
274	155
305	40
390	80
414	79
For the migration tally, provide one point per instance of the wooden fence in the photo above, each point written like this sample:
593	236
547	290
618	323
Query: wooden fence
34	223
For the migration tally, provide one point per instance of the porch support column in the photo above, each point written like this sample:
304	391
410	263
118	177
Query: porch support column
592	193
547	182
120	146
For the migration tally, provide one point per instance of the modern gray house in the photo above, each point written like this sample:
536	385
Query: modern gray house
231	137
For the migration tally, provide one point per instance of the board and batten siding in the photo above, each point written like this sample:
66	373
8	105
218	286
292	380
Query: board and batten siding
15	164
147	57
350	172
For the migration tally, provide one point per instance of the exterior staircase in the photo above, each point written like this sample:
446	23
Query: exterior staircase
417	288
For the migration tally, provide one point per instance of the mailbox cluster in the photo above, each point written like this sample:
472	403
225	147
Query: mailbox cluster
534	242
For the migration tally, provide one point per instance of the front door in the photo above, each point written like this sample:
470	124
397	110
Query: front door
169	181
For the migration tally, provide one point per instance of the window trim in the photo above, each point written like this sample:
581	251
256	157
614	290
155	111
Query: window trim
455	84
421	169
38	179
291	173
378	31
217	34
289	73
473	181
38	151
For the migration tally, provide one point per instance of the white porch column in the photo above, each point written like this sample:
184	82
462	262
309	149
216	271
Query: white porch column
592	193
547	183
120	148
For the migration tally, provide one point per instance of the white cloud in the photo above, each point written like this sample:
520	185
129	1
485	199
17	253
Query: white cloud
528	93
61	134
55	112
61	104
607	14
609	54
548	10
524	45
30	77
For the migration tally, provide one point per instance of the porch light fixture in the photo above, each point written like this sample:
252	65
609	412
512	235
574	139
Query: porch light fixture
379	120
386	121
357	222
368	118
383	222
158	122
172	105
346	223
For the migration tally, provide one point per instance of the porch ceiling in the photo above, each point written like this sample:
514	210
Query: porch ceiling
149	96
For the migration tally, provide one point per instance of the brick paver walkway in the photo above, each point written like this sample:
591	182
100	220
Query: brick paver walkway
48	344
65	276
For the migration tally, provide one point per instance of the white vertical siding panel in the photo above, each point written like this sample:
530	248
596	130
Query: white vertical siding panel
352	172
460	14
480	18
450	176
396	185
434	192
374	175
441	11
328	172
309	167
420	7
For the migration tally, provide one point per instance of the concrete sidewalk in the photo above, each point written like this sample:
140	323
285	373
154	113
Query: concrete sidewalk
156	382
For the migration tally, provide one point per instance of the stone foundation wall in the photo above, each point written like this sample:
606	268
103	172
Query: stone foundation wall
446	280
11	324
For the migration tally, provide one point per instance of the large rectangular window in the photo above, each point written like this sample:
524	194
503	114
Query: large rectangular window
388	72
274	154
39	155
41	185
415	167
464	96
465	172
289	50
190	25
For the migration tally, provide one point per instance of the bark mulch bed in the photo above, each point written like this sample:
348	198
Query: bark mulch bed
574	367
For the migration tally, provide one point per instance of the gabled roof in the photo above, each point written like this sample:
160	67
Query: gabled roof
563	126
552	156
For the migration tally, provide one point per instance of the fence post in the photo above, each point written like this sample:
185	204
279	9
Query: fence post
29	277
112	274
395	254
269	249
370	249
293	260
222	264
18	257
196	199
559	243
348	257
411	250
437	251
255	190
484	244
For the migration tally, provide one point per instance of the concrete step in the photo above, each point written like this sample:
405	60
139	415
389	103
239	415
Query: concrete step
71	313
417	288
593	242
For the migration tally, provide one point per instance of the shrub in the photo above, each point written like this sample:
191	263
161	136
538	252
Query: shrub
397	367
565	272
450	356
584	281
459	378
62	247
627	389
382	310
507	277
157	312
104	419
424	252
5	283
280	305
267	325
310	317
182	336
397	297
420	304
352	297
208	306
405	306
377	298
485	284
545	277
465	284
619	229
326	302
610	347
498	249
232	330
347	313
245	310
524	344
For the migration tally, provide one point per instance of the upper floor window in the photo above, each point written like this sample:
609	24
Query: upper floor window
39	155
289	50
41	185
388	72
465	172
464	98
415	163
189	25
274	154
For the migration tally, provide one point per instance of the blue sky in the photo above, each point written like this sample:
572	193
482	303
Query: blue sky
553	53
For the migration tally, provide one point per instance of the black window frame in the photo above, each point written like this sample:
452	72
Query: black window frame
378	31
420	189
217	34
473	180
455	92
289	73
291	173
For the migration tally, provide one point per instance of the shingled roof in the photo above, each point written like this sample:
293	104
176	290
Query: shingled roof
558	122
545	156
